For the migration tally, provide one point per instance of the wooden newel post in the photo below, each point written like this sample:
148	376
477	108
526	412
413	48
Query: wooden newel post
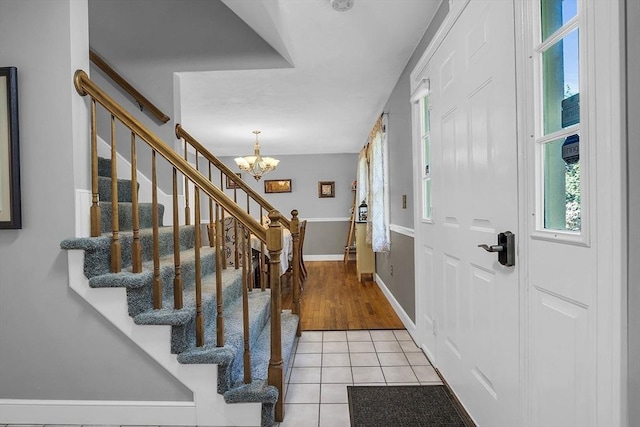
276	364
295	279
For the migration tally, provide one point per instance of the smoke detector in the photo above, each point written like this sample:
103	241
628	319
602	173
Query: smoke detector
342	5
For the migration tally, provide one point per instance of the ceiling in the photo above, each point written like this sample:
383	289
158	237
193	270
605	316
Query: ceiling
311	79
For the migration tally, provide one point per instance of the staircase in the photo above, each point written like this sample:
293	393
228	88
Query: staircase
229	357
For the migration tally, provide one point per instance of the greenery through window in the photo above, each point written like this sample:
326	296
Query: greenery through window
558	51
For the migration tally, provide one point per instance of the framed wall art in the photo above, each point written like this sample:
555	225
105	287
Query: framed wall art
277	186
326	189
10	210
230	183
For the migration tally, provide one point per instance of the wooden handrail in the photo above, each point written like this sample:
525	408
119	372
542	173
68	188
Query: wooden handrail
85	86
181	133
139	98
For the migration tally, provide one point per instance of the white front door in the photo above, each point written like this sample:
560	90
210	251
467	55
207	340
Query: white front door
468	306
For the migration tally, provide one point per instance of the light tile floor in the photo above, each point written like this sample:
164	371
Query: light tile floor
325	363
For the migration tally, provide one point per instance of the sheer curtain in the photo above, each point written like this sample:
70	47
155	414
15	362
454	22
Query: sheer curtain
377	222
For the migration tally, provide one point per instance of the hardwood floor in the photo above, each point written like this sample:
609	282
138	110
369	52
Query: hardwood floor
333	299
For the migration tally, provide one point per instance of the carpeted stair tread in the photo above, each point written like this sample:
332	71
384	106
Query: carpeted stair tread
256	391
259	303
98	252
178	317
125	216
260	352
128	279
125	193
259	390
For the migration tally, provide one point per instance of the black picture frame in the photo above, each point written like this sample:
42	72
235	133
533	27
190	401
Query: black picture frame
10	198
326	189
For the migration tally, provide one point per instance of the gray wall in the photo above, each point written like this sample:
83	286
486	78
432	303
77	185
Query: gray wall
323	237
52	344
633	221
396	269
402	285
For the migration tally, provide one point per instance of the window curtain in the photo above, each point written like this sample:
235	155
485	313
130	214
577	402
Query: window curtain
377	222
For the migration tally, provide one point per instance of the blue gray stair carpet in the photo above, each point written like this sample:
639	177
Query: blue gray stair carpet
229	357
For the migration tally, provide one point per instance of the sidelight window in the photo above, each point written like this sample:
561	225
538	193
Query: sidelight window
425	138
559	127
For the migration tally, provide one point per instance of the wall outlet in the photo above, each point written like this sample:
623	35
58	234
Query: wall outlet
404	201
391	270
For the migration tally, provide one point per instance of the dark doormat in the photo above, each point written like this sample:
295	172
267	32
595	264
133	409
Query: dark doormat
402	406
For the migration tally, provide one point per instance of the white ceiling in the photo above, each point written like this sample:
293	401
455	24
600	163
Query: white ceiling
336	71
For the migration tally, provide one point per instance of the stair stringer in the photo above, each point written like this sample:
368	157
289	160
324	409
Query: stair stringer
209	407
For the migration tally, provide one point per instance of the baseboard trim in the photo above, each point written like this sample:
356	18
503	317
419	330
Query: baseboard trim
338	219
404	317
330	257
466	418
19	411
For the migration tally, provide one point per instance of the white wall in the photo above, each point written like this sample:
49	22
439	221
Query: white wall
633	220
52	344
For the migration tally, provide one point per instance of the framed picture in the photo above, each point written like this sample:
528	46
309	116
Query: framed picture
230	183
326	189
277	186
10	211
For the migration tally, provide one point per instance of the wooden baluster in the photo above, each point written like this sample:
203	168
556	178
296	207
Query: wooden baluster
219	255
276	364
211	228
177	278
157	283
187	209
236	258
263	266
236	251
96	220
136	247
198	272
295	270
222	239
245	313
116	255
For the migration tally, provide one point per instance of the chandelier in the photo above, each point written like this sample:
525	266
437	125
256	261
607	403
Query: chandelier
256	165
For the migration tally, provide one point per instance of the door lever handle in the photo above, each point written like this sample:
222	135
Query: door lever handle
506	248
493	248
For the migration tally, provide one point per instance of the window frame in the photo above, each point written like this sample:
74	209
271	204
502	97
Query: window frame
540	139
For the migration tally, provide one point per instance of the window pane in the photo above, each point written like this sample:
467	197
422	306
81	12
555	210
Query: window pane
561	90
556	13
562	184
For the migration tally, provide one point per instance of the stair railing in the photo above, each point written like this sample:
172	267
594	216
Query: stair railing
219	203
139	98
194	149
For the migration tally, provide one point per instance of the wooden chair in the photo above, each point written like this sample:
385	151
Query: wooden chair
303	269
